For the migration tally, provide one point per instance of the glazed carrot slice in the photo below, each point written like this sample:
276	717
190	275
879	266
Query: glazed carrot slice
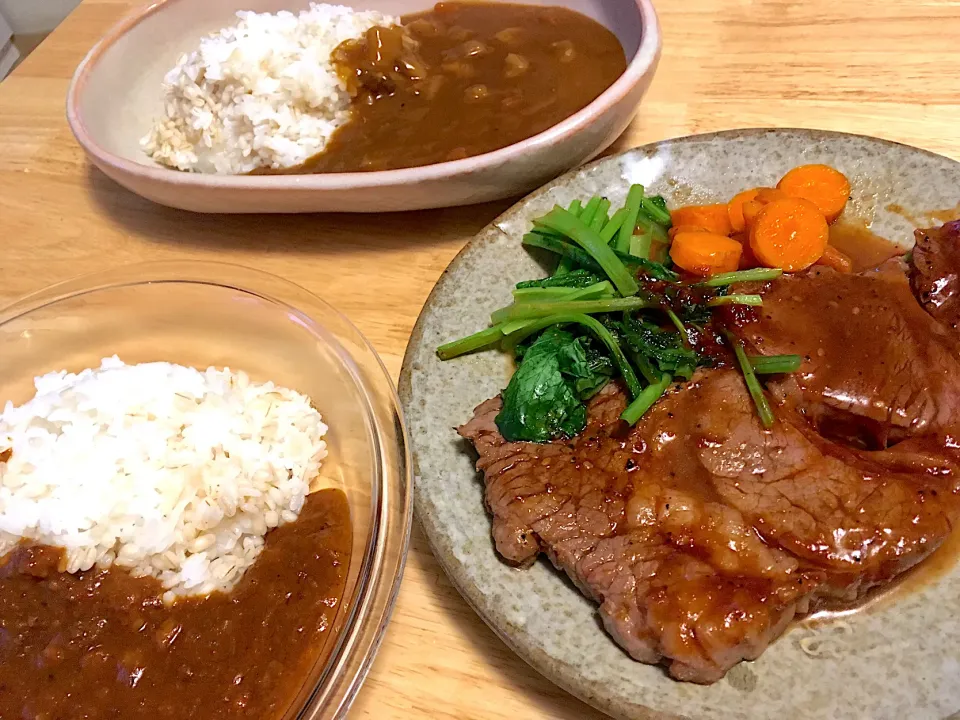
769	195
710	217
705	253
751	208
790	234
685	228
836	259
735	208
822	185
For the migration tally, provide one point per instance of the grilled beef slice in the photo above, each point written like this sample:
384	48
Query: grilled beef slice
699	533
935	274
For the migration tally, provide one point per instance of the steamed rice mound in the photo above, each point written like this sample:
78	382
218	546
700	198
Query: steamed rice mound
165	470
262	94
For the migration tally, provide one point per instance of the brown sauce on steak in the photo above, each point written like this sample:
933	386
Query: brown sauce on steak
934	568
101	644
464	79
702	535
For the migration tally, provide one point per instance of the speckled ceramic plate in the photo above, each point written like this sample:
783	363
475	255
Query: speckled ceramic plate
896	661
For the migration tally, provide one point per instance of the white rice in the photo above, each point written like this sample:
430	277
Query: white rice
163	469
260	94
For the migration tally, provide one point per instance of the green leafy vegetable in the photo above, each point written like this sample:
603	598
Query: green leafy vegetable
590	210
588	265
543	294
514	326
564	222
540	402
588	364
677	322
693	312
664	348
552	294
573	279
564	266
518	311
640	246
578	256
611	228
598	330
647	226
656	207
632	207
590	322
479	340
656	271
601	217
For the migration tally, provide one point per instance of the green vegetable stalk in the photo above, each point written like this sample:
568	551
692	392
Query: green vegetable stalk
753	300
753	385
568	224
645	400
632	207
611	229
759	274
519	311
478	341
775	364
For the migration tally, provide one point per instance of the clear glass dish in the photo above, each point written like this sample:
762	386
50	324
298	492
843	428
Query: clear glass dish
203	314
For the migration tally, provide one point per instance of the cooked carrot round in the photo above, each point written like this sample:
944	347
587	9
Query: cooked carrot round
836	259
709	217
751	208
822	185
672	232
705	254
735	208
769	195
791	234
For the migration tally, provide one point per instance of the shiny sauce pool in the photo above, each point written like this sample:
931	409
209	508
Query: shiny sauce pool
465	79
865	248
101	644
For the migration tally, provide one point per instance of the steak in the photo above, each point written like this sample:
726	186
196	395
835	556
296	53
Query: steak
876	366
935	274
700	534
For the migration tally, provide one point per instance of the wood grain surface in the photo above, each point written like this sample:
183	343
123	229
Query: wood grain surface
878	67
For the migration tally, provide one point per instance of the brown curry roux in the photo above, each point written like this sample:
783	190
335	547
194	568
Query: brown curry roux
101	644
465	79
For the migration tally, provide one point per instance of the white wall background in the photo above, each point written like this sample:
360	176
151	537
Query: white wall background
35	16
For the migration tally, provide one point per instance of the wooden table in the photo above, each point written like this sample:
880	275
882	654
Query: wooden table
879	67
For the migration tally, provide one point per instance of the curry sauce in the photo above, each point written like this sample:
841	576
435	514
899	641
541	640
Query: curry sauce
101	644
465	79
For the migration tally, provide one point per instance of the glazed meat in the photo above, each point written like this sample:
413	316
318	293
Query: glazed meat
876	369
936	264
699	533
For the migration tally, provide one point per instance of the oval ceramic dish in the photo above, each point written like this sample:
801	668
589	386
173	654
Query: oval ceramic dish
116	94
897	660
